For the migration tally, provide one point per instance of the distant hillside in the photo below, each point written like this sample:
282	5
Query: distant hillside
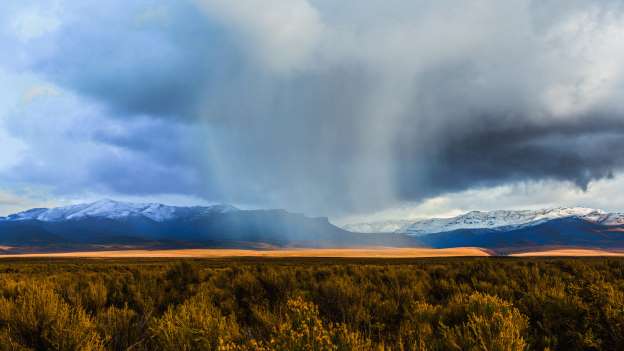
500	220
562	226
108	222
574	232
112	222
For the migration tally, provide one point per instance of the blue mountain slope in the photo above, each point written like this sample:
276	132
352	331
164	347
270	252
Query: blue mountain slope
111	222
230	228
570	231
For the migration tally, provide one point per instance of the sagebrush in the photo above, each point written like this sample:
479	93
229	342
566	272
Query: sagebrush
321	304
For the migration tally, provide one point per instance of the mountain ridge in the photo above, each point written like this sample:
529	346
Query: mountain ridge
498	220
112	209
107	222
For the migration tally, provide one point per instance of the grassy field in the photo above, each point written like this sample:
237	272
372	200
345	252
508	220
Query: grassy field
311	303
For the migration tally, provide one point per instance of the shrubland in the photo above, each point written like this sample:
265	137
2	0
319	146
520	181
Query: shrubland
313	304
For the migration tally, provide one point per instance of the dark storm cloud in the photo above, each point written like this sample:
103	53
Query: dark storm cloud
332	108
496	153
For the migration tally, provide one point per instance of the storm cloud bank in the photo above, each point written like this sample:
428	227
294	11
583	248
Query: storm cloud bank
329	107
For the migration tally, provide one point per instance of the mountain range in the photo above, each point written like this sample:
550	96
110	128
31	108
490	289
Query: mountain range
108	222
511	230
116	210
495	220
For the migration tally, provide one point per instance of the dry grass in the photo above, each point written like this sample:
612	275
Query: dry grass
198	253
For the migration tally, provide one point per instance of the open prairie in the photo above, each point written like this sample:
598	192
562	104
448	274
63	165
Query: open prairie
215	253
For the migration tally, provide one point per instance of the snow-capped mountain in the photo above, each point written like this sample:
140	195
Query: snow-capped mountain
110	222
390	226
109	209
494	220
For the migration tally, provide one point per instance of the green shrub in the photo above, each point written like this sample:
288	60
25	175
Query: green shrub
121	328
483	322
312	304
39	319
194	325
8	342
417	328
303	330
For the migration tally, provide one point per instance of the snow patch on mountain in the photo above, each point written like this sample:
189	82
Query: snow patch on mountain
499	219
390	226
612	219
109	209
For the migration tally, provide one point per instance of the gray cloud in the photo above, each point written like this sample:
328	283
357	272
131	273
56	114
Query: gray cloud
332	108
494	152
75	147
138	57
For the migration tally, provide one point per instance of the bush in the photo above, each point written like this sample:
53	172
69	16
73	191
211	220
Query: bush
303	330
121	328
39	319
417	329
484	322
194	325
291	304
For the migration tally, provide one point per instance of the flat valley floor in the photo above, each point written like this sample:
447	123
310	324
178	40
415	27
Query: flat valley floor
335	252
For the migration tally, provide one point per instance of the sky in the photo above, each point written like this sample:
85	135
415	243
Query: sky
348	109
